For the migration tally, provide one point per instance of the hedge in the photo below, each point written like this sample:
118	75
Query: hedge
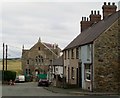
8	75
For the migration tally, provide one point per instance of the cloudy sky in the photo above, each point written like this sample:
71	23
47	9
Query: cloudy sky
55	21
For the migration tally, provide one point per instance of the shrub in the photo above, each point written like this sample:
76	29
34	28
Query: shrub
8	75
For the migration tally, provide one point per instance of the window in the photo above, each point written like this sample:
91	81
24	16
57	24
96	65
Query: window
72	54
42	60
27	61
77	53
26	71
68	54
88	52
80	52
38	48
29	71
88	72
39	59
36	60
72	73
56	69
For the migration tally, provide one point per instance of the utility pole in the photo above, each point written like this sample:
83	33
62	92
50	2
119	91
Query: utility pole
6	56
3	55
3	65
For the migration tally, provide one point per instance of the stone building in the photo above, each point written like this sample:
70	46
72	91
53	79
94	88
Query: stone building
58	72
96	51
38	58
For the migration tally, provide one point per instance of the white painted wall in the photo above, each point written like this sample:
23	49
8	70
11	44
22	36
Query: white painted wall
83	55
59	71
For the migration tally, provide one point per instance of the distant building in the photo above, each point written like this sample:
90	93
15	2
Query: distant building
58	72
38	58
91	60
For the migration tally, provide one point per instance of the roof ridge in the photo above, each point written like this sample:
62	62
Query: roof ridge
88	35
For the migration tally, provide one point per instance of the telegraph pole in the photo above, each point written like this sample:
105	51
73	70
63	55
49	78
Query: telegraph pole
6	56
3	65
3	55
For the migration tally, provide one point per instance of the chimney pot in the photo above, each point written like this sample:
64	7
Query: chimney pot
98	12
84	18
109	9
108	3
113	3
92	12
87	19
85	23
104	3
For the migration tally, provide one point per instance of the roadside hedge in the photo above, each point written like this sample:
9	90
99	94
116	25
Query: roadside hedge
8	75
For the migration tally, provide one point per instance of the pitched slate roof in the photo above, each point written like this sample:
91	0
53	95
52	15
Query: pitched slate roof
58	62
93	32
48	45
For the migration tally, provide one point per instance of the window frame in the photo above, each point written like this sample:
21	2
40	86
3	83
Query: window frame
72	73
88	71
77	53
72	53
68	54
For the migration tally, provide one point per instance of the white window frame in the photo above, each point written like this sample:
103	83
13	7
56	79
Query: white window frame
88	72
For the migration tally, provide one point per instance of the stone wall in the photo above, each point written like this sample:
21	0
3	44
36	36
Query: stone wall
107	60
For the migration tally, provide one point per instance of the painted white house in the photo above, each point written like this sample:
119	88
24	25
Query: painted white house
85	56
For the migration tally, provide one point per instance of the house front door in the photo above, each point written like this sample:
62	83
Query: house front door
79	76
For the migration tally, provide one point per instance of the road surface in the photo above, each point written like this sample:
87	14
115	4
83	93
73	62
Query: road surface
27	89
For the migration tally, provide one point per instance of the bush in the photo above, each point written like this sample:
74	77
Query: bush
8	75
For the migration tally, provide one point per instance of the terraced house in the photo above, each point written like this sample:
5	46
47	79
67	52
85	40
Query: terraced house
38	58
91	60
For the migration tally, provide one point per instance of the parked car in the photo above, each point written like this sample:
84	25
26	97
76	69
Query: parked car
43	82
20	78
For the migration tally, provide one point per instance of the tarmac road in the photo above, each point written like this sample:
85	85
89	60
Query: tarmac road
27	89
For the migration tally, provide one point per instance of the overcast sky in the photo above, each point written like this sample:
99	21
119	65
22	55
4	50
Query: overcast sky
55	22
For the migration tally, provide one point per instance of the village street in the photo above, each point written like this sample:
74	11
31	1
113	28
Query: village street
27	89
31	89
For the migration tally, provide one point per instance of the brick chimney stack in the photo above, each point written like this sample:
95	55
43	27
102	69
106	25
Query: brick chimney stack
95	17
108	9
85	23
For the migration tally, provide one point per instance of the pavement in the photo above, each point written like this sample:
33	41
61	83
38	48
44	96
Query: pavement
76	91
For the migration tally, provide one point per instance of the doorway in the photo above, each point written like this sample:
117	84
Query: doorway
79	75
